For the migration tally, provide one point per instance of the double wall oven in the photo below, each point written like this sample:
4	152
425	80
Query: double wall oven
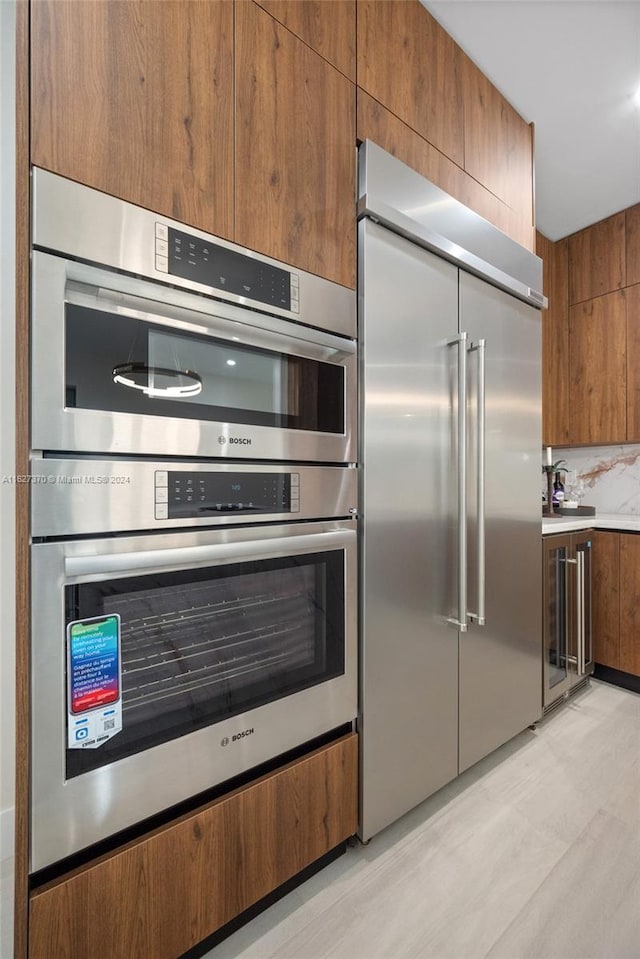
194	497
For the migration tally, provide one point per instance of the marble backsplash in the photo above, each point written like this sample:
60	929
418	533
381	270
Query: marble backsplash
610	476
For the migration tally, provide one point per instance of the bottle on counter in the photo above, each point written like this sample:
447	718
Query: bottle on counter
558	492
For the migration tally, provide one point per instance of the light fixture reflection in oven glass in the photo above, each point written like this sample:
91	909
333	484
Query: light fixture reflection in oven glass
158	381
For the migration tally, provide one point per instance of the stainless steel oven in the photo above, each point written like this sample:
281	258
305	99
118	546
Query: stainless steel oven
150	337
166	663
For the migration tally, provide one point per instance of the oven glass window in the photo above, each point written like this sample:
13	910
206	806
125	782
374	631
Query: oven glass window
204	645
172	373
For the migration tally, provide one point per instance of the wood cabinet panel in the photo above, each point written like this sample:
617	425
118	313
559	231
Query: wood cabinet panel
629	605
555	341
407	62
295	138
498	147
597	259
632	244
160	896
605	584
597	356
136	99
633	363
328	28
376	123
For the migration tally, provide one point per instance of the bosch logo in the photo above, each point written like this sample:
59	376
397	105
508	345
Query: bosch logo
224	742
234	441
245	732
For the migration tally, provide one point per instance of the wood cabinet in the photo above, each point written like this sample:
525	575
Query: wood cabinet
498	148
159	896
606	598
598	370
555	341
597	260
407	62
629	605
632	244
136	99
295	150
328	28
633	363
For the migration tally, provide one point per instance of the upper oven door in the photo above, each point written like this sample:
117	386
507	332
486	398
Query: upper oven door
240	383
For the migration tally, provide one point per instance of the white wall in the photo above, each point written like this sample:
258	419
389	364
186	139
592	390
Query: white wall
7	441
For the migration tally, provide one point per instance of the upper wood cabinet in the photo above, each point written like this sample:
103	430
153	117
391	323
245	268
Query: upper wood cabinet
136	99
408	63
295	150
328	28
598	370
497	142
632	244
597	262
633	363
555	341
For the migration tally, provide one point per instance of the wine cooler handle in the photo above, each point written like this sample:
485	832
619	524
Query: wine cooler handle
460	342
479	616
580	612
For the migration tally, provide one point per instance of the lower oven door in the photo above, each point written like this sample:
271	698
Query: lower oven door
165	665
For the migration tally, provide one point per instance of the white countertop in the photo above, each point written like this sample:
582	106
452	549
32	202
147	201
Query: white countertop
567	524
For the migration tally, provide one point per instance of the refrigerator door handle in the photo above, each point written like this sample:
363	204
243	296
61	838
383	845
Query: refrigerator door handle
479	616
460	341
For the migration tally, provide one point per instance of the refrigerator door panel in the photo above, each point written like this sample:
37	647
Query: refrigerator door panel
409	678
500	662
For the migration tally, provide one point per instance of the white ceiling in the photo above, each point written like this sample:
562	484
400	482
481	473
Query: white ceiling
572	67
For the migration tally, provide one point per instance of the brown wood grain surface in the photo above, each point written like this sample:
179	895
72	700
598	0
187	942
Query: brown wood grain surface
597	259
295	150
598	370
136	99
633	363
407	62
374	122
632	245
555	341
497	142
605	585
22	490
162	895
329	28
629	604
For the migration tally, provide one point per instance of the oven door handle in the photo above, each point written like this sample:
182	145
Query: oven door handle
217	554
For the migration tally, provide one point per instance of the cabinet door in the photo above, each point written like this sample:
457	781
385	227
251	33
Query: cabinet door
632	244
328	28
598	374
597	259
295	150
606	599
410	64
498	149
555	342
629	605
136	99
632	294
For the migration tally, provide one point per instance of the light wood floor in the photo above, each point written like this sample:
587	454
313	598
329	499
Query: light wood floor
532	854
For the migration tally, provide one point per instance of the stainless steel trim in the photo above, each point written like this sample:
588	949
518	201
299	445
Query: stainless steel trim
461	342
83	496
83	223
403	200
68	815
580	610
148	561
56	281
479	617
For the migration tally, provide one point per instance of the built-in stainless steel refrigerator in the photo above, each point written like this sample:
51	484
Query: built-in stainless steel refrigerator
450	452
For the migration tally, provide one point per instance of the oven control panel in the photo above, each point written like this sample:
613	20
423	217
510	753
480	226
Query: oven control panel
213	265
188	495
